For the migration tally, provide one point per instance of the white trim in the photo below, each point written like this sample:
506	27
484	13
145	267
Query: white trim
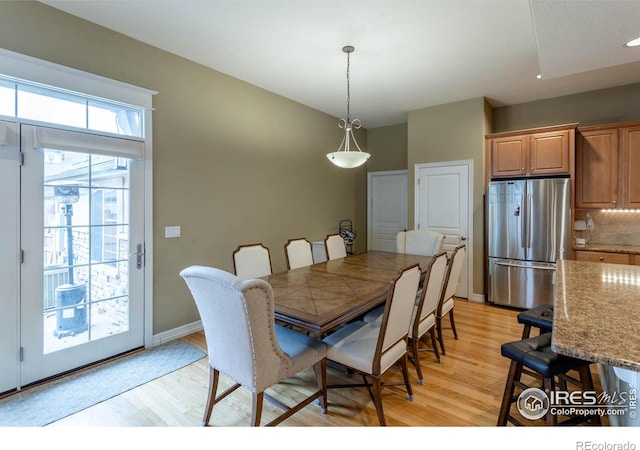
52	138
35	70
176	333
148	231
470	239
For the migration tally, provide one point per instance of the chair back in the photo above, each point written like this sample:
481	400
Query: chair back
334	246
419	242
252	261
456	261
298	253
239	325
431	289
394	327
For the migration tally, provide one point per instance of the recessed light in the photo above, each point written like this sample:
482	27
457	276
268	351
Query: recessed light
633	42
539	76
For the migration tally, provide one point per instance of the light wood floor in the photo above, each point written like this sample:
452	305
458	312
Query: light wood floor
465	389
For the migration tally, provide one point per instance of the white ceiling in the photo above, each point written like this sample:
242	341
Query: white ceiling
408	54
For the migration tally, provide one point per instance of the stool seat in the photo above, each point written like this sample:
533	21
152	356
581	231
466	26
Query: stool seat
534	357
538	317
536	354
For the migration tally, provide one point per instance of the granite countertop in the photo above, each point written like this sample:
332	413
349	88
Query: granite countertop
611	248
597	313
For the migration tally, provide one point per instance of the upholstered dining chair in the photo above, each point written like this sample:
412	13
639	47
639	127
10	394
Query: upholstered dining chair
423	318
252	261
371	349
446	304
298	253
419	242
334	246
245	344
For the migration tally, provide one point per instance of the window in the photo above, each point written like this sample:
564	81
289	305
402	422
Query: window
25	100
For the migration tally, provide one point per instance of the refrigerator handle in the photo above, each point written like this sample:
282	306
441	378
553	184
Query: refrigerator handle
529	212
523	225
523	266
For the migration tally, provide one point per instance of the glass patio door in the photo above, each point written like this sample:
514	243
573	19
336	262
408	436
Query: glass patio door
82	276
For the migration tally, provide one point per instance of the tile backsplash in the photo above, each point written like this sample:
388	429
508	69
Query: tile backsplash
613	227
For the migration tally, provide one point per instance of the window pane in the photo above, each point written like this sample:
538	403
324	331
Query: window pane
7	99
114	119
51	106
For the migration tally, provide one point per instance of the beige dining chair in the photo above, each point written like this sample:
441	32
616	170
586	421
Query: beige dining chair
252	261
334	246
419	242
452	280
423	318
245	344
298	253
371	349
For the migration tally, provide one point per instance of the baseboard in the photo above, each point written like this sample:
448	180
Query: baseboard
477	298
176	333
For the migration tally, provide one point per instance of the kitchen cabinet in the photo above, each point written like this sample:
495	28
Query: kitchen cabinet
604	257
606	158
533	152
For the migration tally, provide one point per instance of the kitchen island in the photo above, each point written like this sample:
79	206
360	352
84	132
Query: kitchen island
597	318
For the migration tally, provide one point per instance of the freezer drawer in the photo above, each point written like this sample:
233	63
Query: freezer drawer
521	284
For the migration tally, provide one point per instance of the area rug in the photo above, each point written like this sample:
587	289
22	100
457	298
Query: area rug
42	405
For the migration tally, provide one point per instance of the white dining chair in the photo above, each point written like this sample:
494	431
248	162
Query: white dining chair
446	303
419	242
252	261
371	349
245	344
334	246
298	253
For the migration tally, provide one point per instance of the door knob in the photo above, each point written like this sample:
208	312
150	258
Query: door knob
463	238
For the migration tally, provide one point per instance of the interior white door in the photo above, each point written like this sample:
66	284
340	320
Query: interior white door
9	256
82	277
387	192
442	204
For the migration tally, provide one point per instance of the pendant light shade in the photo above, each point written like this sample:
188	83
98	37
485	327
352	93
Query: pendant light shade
345	157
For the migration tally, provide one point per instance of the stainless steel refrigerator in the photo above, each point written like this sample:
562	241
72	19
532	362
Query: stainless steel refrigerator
528	231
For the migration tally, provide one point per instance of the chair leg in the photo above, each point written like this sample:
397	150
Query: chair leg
405	376
439	332
214	376
432	332
256	408
416	360
453	324
587	385
377	400
320	370
507	398
549	386
526	331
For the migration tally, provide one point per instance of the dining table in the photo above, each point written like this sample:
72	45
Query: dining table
323	296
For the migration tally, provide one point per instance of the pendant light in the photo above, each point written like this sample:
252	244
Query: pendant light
345	157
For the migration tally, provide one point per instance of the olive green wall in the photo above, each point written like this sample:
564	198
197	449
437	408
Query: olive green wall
620	104
388	148
453	132
232	164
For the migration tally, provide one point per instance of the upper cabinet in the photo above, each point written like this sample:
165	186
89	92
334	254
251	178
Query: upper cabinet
606	158
534	152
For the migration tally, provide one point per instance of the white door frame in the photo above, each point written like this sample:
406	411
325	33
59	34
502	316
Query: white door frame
370	176
416	214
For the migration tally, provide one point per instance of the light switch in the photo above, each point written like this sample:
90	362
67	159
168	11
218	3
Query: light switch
171	232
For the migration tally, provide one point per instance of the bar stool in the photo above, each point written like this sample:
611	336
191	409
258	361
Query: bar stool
540	317
535	354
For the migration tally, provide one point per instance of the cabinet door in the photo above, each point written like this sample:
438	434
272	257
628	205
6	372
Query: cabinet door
508	156
549	153
597	169
613	258
630	167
